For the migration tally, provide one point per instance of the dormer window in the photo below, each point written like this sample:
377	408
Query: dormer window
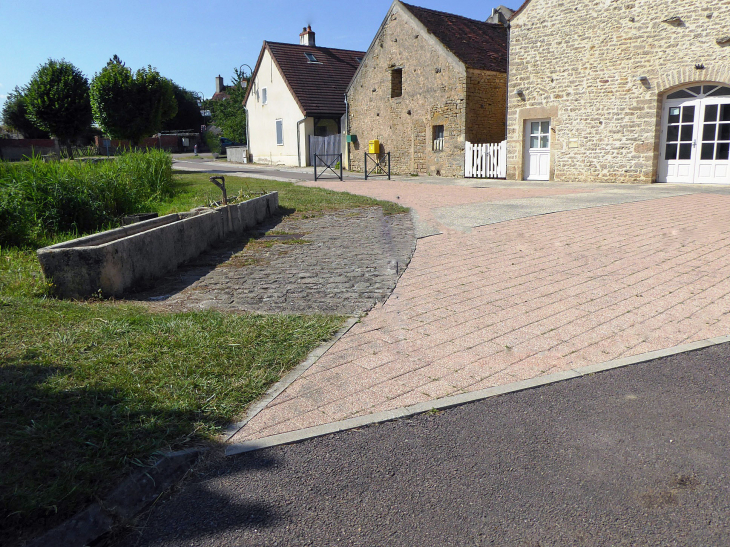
311	58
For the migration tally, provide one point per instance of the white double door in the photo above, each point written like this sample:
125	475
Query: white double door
537	149
695	143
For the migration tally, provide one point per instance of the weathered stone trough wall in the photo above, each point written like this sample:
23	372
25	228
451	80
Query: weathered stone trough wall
118	259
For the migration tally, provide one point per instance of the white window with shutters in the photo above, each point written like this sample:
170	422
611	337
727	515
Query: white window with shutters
280	132
263	95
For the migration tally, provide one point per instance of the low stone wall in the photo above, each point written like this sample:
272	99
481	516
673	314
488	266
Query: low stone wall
237	154
115	260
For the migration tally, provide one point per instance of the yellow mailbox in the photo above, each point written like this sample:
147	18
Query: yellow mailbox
374	147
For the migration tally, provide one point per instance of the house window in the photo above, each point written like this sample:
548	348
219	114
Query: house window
438	137
311	58
396	82
280	132
264	97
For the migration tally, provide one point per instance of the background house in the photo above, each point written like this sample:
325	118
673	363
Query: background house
220	90
620	91
296	91
429	82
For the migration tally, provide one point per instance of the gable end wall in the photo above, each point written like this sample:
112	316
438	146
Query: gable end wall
437	90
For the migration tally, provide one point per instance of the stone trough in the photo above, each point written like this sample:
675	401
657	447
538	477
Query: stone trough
116	260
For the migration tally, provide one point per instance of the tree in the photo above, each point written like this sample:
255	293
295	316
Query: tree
15	115
229	115
131	106
188	111
57	100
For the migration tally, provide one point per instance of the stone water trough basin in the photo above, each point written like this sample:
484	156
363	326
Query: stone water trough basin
116	260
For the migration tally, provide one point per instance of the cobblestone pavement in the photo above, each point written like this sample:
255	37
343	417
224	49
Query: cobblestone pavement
518	299
342	262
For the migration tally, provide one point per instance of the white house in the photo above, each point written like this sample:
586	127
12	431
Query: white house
296	90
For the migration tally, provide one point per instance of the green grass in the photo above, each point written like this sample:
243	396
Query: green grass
194	189
39	200
20	274
89	390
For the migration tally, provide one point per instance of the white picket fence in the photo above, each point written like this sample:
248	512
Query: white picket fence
485	160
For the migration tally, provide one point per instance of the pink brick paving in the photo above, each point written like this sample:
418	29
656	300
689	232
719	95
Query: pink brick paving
524	298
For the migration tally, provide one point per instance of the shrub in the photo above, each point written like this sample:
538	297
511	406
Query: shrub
213	141
40	199
17	223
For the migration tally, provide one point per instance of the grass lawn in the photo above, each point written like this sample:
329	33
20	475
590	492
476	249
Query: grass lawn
195	189
90	389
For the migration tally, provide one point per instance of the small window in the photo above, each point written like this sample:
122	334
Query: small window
264	97
358	59
396	82
280	132
438	137
311	58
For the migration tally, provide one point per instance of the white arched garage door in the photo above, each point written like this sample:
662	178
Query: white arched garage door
695	141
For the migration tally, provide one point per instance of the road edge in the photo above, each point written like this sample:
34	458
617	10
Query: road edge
464	398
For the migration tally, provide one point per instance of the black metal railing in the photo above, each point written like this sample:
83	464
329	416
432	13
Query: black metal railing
327	162
381	165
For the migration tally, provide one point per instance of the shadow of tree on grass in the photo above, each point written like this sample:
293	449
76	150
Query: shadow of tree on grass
62	449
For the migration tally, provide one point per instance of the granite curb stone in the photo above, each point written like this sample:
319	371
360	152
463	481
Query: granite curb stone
132	496
461	399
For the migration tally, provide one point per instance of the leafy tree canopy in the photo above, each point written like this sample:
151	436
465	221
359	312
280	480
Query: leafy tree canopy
15	116
57	100
130	105
228	115
188	111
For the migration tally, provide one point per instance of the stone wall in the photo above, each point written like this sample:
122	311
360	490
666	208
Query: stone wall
486	106
116	260
578	62
436	89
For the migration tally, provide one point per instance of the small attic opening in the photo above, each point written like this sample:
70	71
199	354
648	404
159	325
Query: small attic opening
396	82
311	58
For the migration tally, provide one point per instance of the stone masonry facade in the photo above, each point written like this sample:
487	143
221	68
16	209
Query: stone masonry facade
437	90
486	101
579	63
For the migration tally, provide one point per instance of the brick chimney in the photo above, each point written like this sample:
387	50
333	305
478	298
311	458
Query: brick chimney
306	38
219	84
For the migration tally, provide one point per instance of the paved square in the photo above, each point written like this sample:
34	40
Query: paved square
519	299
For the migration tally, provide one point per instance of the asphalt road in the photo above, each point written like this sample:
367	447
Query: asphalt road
258	171
633	456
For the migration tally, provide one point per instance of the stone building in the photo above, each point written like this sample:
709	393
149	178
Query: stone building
428	82
297	91
620	91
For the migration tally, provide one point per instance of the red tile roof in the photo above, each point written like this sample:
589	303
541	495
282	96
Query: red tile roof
477	44
318	87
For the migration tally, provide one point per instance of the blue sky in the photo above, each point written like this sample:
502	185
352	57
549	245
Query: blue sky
189	42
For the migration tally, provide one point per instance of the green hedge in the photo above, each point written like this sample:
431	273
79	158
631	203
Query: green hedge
38	200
